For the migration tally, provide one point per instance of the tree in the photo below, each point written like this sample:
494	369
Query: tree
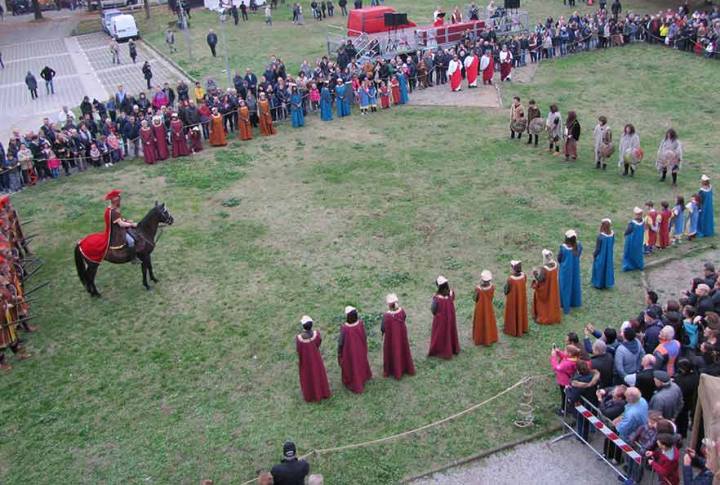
36	9
147	8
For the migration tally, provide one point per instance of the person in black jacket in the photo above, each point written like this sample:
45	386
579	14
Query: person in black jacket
48	74
572	135
343	7
290	471
31	83
212	40
131	133
616	8
132	50
147	73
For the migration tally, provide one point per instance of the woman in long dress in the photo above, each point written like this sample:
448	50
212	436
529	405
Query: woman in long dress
444	342
217	130
313	377
397	359
603	271
669	156
484	323
570	282
706	224
630	153
546	291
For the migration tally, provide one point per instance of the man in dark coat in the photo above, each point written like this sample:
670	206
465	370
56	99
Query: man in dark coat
48	74
290	471
212	41
31	83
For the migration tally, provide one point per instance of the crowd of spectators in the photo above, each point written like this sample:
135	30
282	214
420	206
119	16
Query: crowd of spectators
642	379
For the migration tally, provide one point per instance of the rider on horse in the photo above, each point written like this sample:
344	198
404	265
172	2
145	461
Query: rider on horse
119	234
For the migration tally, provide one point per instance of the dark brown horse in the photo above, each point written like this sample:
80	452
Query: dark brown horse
144	235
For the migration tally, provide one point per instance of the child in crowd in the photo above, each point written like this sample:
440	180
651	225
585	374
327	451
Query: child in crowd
114	147
693	208
678	219
384	95
53	162
364	96
665	460
95	155
664	225
372	94
645	436
315	97
651	227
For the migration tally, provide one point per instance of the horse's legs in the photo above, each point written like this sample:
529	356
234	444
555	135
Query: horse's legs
150	269
90	279
144	267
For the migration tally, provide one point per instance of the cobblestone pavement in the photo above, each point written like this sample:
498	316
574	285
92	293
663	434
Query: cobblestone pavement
83	65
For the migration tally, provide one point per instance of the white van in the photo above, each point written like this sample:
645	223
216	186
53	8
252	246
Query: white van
123	27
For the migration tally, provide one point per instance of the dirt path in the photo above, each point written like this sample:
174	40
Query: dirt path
670	278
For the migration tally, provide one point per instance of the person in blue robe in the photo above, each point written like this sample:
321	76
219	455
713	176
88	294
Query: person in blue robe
349	98
706	221
341	103
694	207
678	219
402	79
296	109
633	257
372	94
569	274
603	270
325	104
364	98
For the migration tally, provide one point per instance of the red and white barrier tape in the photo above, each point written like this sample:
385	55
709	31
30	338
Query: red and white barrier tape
609	434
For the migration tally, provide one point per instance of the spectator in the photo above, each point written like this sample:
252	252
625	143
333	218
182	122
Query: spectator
572	339
667	351
644	379
690	460
628	354
212	40
603	363
634	416
645	438
290	471
564	366
665	459
668	397
609	336
688	380
48	74
31	83
612	401
653	325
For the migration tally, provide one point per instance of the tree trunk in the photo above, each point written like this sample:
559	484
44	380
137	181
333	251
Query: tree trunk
147	9
36	10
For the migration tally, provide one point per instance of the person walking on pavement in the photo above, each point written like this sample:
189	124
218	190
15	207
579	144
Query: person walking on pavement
234	13
212	41
268	15
133	50
147	73
170	40
2	64
31	84
243	11
48	74
115	51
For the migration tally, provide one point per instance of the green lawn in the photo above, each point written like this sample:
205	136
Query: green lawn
198	378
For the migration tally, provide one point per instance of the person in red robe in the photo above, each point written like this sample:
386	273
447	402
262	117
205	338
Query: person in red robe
397	359
546	294
484	323
244	125
160	138
395	90
454	74
487	66
444	341
179	141
353	353
506	62
195	139
313	377
149	147
94	246
516	317
217	130
385	95
664	227
472	63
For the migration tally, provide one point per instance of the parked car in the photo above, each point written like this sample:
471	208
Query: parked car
108	4
106	18
123	27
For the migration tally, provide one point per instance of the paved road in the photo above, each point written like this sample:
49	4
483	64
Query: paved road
83	65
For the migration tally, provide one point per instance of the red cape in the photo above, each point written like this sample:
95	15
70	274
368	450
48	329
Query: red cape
94	246
397	359
354	360
444	337
313	378
472	71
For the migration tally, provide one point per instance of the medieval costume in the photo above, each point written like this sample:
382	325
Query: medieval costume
664	225
518	122
487	66
669	156
397	359
325	104
244	124
651	221
484	323
472	64
395	90
195	139
693	216
546	292
179	141
506	63
706	223
266	123
572	136
343	94
384	96
313	377
633	248
535	123
603	269
630	153
554	127
602	137
454	73
403	82
678	220
516	318
569	275
217	130
161	142
444	341
147	138
352	352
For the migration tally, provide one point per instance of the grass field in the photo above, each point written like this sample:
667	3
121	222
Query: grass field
251	43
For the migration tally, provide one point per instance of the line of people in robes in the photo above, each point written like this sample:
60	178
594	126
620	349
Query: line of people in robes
471	66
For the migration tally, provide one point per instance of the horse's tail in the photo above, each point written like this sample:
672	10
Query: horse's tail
80	264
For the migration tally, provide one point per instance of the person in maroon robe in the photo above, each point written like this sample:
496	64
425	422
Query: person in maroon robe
149	147
313	378
444	337
195	139
353	353
397	359
177	135
160	138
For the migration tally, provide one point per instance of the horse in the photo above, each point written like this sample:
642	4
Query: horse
144	235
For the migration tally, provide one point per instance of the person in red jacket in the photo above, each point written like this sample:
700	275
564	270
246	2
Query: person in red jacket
353	353
665	460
